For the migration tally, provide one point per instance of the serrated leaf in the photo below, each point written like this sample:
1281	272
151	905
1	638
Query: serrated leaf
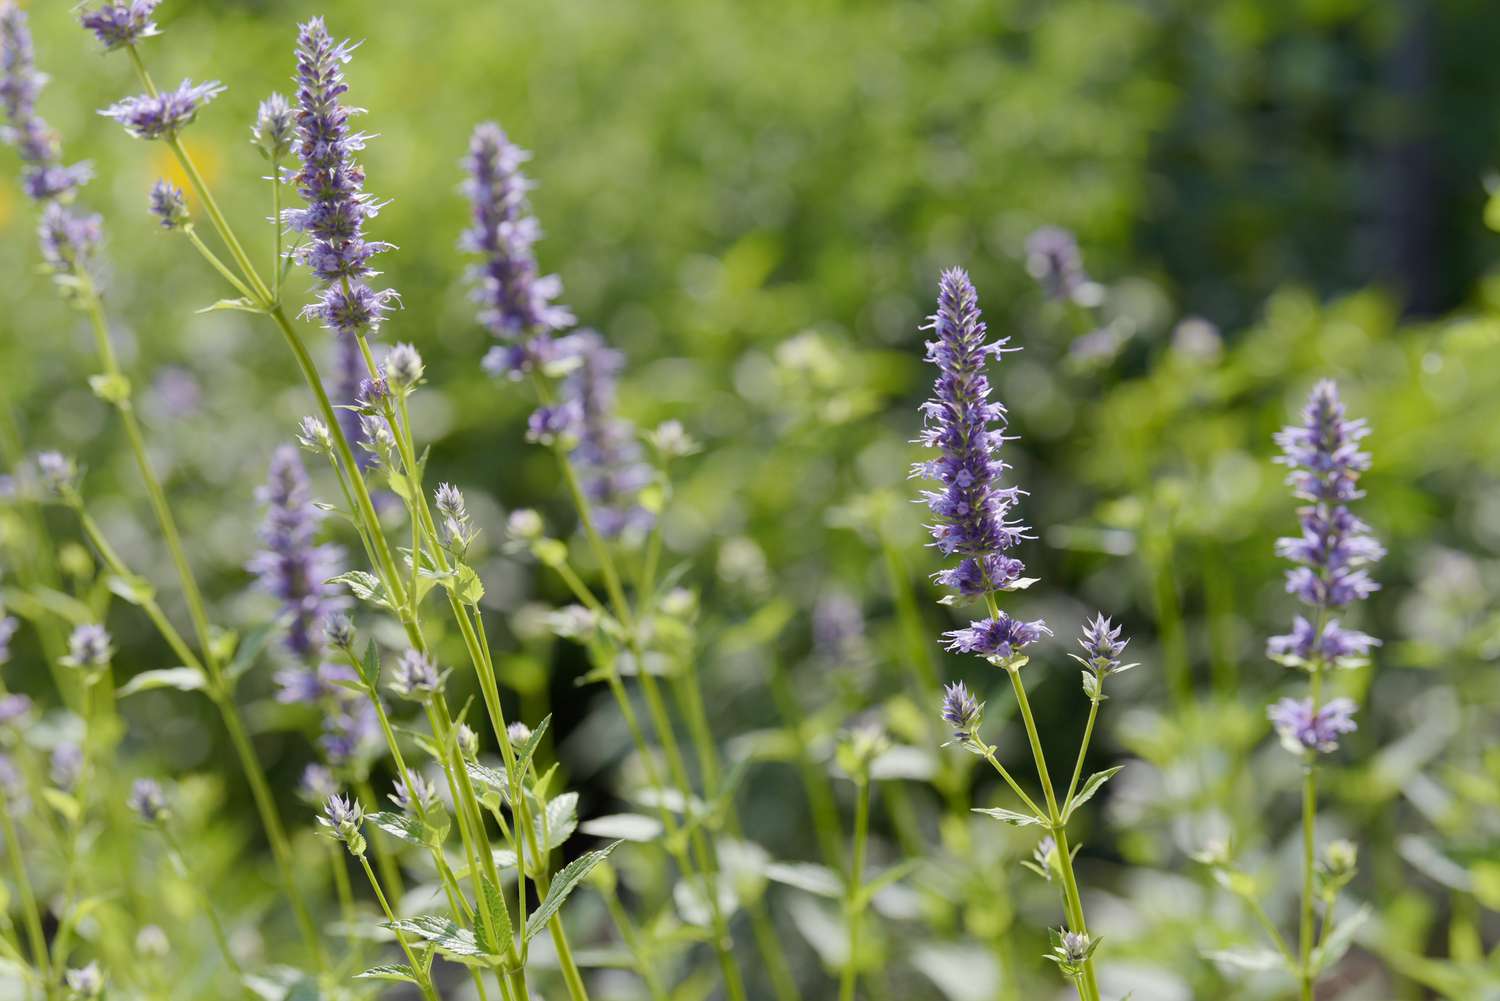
443	933
184	679
1010	817
242	304
526	751
562	886
499	915
466	585
370	666
623	827
365	586
1091	786
408	829
394	971
490	778
561	821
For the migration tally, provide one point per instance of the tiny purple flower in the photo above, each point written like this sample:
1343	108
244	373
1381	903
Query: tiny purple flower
274	126
89	647
961	711
147	800
169	206
13	709
416	677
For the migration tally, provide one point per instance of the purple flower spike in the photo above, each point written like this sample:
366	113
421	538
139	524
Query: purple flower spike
972	510
44	177
608	455
292	567
119	24
169	206
1302	728
332	184
156	116
1335	547
515	302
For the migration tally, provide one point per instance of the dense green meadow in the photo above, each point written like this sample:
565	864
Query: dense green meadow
743	787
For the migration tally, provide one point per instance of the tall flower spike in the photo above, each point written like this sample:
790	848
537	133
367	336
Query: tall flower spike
972	510
515	302
607	454
332	184
44	176
1335	547
292	566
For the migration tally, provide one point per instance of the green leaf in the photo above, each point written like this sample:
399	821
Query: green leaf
451	940
1011	817
1246	959
466	585
395	971
562	821
365	586
563	885
249	649
1089	788
184	679
408	829
370	667
499	916
113	389
135	590
1339	939
490	778
624	827
525	752
63	803
242	304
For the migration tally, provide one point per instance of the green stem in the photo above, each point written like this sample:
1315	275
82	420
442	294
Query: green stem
216	925
424	979
1083	749
1306	924
853	892
385	859
29	910
1089	986
643	965
815	782
1015	787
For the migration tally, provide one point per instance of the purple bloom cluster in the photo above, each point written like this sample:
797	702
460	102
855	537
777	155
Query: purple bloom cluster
332	184
161	115
972	509
1001	637
516	303
1335	547
1054	260
1304	728
120	23
68	238
1102	645
45	177
292	566
607	454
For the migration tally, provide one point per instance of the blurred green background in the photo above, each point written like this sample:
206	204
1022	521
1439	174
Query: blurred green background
753	200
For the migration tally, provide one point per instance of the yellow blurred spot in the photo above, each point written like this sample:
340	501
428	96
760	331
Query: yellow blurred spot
205	156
